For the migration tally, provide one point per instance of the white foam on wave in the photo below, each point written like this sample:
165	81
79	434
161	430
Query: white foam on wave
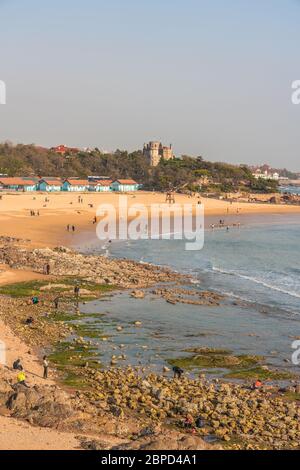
257	281
249	301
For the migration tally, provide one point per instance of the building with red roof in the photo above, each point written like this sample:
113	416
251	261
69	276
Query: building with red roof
125	185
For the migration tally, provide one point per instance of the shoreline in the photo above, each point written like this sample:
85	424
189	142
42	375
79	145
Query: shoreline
32	274
49	229
120	412
108	386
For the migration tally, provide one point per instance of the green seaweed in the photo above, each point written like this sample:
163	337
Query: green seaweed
22	289
291	396
30	288
72	379
210	360
239	366
208	351
88	330
78	355
260	373
65	317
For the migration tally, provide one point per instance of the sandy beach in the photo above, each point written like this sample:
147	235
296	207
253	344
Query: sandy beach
49	228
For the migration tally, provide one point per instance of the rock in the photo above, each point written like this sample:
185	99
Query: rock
92	445
168	440
138	294
42	406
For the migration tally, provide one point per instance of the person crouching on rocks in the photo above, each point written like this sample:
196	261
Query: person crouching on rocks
177	372
17	365
21	379
257	385
46	366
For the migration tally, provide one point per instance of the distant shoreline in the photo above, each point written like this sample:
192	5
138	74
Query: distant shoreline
49	228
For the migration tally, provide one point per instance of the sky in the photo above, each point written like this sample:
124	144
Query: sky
212	77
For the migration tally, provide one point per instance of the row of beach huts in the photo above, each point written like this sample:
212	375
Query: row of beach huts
55	184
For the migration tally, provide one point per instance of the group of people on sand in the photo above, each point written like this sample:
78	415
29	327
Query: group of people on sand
47	269
221	224
21	376
34	213
71	228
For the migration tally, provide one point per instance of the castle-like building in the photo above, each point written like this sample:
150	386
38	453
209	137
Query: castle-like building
155	151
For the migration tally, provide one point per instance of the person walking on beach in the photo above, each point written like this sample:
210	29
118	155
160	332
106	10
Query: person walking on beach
47	269
46	366
73	228
76	291
56	302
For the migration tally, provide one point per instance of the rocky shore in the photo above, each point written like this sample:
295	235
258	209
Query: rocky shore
129	408
138	410
99	269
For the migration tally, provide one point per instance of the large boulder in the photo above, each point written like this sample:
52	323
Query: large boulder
43	406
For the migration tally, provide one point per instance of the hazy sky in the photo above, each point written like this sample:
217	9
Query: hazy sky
213	77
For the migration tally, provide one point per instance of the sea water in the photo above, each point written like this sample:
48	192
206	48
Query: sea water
256	267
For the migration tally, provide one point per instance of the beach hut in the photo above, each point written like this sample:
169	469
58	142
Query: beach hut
19	184
75	185
124	185
50	184
101	186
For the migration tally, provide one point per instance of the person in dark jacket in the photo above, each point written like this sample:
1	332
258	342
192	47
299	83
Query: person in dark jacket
17	365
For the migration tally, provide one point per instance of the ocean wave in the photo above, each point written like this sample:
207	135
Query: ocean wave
249	301
257	281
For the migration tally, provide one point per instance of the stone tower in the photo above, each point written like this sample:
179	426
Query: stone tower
154	151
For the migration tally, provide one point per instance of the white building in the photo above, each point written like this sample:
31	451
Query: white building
265	175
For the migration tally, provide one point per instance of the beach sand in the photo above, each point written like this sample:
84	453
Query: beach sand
49	228
18	435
